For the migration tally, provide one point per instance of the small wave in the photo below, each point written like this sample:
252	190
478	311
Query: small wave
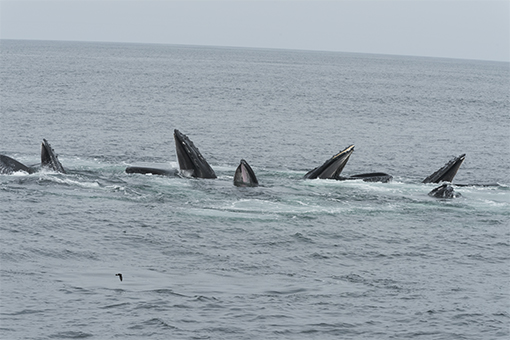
159	323
71	182
290	291
26	311
300	237
71	335
17	174
204	298
116	305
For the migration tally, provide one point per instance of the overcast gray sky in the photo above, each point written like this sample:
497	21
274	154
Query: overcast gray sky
447	28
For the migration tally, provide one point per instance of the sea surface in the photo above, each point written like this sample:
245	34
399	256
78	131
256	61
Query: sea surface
290	259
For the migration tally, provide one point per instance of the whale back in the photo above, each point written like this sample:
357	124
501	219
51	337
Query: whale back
9	165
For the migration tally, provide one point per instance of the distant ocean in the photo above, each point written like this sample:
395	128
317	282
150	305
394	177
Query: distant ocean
290	259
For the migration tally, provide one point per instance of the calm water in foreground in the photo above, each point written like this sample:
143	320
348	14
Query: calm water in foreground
291	259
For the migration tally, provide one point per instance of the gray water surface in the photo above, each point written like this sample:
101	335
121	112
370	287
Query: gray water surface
291	259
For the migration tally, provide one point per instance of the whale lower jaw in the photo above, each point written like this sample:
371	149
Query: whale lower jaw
49	158
332	168
151	171
447	172
191	161
370	177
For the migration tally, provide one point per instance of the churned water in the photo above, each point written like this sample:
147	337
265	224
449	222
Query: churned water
290	259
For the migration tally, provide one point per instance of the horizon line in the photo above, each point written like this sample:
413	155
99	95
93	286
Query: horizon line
255	47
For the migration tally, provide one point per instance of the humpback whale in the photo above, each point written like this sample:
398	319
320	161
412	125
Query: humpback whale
447	172
444	191
49	159
332	168
244	176
193	164
191	161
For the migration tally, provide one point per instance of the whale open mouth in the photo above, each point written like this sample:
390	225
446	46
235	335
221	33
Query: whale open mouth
447	172
245	176
191	161
332	168
49	159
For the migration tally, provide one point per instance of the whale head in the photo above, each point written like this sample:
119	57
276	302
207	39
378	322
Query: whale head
244	176
447	172
191	161
332	168
444	191
49	158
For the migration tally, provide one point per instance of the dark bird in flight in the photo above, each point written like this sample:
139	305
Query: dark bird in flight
119	275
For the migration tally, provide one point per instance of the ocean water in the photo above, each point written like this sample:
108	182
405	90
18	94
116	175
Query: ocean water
290	259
